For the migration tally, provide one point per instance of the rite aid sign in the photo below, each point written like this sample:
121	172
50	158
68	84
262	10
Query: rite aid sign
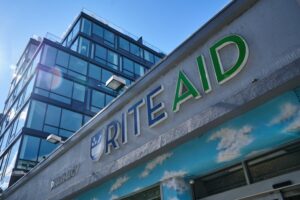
115	134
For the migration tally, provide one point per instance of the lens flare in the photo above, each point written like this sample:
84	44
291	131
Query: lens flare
56	79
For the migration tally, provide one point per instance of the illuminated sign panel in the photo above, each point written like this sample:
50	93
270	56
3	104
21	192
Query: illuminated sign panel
115	133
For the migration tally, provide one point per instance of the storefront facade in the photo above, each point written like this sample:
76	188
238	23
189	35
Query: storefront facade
218	118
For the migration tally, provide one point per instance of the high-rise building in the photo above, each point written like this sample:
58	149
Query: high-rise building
59	85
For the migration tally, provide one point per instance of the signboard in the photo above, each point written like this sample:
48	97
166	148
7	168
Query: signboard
115	132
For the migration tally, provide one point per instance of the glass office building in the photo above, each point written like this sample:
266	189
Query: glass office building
58	86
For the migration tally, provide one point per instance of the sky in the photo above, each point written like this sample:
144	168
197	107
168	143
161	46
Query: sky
162	23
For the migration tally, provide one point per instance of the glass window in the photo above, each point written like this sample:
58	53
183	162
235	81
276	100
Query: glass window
30	147
139	70
86	26
123	44
109	37
78	65
36	115
45	149
84	46
105	75
29	88
64	88
128	66
148	56
12	157
21	119
62	59
3	164
109	99
113	59
48	57
70	120
44	80
149	194
219	182
275	164
75	45
156	59
95	72
134	49
53	115
76	28
98	30
87	118
98	100
4	141
100	53
79	92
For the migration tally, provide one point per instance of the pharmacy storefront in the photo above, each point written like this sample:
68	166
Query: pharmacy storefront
218	118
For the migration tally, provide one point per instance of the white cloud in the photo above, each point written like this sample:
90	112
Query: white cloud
231	142
170	180
294	126
152	164
114	197
287	111
172	174
173	198
119	182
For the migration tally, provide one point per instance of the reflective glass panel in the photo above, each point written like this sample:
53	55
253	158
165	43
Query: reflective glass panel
30	147
79	92
86	26
78	65
70	120
95	72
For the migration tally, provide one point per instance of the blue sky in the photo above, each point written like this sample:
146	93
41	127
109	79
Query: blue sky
164	24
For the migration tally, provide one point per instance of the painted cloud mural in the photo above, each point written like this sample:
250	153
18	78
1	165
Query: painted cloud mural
260	130
231	142
119	182
287	111
154	163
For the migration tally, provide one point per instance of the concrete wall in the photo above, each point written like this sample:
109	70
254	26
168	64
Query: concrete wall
271	30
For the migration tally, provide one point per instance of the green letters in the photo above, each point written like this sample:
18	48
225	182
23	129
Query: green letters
180	95
203	74
241	60
185	88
